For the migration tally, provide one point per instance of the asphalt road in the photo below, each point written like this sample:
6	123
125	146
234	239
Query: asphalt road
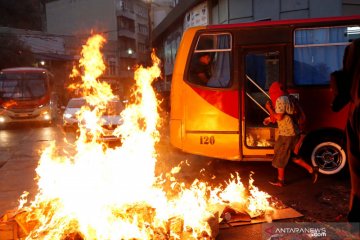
323	202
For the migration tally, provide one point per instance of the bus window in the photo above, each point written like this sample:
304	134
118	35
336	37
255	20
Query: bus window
210	62
262	69
318	52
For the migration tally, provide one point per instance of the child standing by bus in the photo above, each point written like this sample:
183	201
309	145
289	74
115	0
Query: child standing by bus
280	110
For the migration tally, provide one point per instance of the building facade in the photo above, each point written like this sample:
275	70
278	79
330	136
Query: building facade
124	23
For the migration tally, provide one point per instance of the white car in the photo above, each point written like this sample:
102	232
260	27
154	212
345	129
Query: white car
110	118
70	113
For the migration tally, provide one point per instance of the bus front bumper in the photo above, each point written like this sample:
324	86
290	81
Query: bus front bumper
25	115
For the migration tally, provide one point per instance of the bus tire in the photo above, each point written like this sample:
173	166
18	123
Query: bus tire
329	155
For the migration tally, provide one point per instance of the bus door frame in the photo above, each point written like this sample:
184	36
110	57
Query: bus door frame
243	51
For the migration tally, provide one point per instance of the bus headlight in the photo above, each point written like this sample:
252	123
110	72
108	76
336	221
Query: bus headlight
2	119
46	115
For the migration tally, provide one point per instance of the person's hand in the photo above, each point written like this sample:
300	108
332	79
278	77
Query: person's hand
268	105
267	121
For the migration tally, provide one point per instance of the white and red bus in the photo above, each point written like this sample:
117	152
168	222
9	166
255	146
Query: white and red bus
26	95
224	117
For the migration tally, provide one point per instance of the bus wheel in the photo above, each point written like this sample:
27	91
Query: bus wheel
329	156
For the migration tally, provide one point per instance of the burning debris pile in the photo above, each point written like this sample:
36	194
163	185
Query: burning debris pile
113	193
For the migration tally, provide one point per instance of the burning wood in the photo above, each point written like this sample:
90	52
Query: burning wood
15	225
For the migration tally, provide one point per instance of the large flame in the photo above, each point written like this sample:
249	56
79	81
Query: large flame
112	193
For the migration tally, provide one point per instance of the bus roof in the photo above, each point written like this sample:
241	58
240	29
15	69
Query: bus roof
24	69
284	22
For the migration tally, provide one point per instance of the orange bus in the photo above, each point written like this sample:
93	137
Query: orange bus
223	117
26	95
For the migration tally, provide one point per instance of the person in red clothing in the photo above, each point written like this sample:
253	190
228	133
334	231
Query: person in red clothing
280	111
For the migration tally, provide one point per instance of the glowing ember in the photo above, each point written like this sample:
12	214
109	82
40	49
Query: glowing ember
113	193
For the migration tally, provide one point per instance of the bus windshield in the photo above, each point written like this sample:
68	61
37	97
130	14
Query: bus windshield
23	85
